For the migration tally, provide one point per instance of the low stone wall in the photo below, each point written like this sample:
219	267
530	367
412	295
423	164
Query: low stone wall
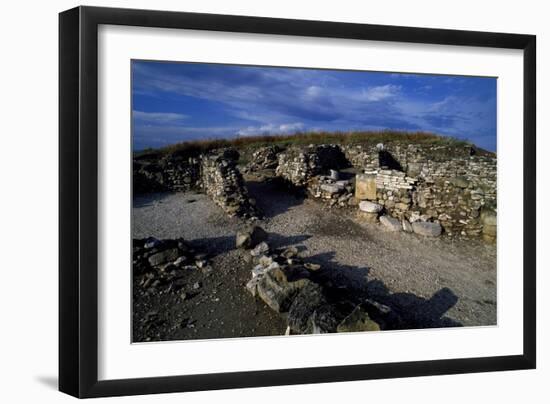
169	173
222	181
450	185
453	185
299	165
264	158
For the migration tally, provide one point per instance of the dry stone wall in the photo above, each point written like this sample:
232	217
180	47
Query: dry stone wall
450	185
447	184
169	173
222	181
298	164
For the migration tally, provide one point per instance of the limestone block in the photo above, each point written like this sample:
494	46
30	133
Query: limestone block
365	186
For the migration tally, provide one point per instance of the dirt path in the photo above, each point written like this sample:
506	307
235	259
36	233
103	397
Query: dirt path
430	282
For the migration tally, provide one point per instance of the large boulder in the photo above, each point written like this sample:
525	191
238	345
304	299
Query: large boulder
277	290
164	256
391	223
427	229
250	237
306	301
325	319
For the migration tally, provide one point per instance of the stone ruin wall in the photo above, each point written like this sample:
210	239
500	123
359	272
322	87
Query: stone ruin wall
299	165
214	173
222	181
450	185
169	173
453	186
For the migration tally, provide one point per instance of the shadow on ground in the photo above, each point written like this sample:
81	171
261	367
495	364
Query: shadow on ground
274	196
347	282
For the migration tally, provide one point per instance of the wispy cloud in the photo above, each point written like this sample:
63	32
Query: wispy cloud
271	129
380	93
158	118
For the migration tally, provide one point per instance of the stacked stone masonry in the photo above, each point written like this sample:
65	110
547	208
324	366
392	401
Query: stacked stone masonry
169	173
452	185
222	181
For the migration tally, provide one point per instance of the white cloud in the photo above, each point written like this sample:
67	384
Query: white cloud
380	93
159	118
271	129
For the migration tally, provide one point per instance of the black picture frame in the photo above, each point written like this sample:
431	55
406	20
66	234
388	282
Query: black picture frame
78	203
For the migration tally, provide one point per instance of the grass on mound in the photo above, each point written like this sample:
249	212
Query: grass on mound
196	147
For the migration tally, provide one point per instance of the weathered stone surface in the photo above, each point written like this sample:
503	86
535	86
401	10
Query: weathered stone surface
222	181
277	291
460	182
299	164
164	256
250	237
489	221
290	252
309	298
152	242
365	186
407	227
427	229
383	315
264	158
331	188
324	319
312	267
370	207
358	321
367	217
252	285
391	223
261	249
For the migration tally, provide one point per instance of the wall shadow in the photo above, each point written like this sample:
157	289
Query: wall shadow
274	196
353	283
386	159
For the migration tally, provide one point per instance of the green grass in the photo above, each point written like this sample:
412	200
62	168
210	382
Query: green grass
196	147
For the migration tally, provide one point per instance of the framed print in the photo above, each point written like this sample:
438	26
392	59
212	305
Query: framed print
251	201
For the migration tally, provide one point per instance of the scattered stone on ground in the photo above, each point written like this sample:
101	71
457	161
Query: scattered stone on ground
250	237
390	223
358	320
427	229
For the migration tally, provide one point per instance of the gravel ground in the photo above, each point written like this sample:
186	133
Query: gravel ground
430	282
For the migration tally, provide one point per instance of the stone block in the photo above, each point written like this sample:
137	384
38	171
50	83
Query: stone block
391	223
365	186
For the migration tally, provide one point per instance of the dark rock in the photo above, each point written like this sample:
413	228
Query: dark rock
275	289
306	301
324	319
164	256
250	237
384	315
357	321
152	242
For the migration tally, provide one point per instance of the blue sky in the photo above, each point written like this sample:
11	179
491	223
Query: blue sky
176	102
